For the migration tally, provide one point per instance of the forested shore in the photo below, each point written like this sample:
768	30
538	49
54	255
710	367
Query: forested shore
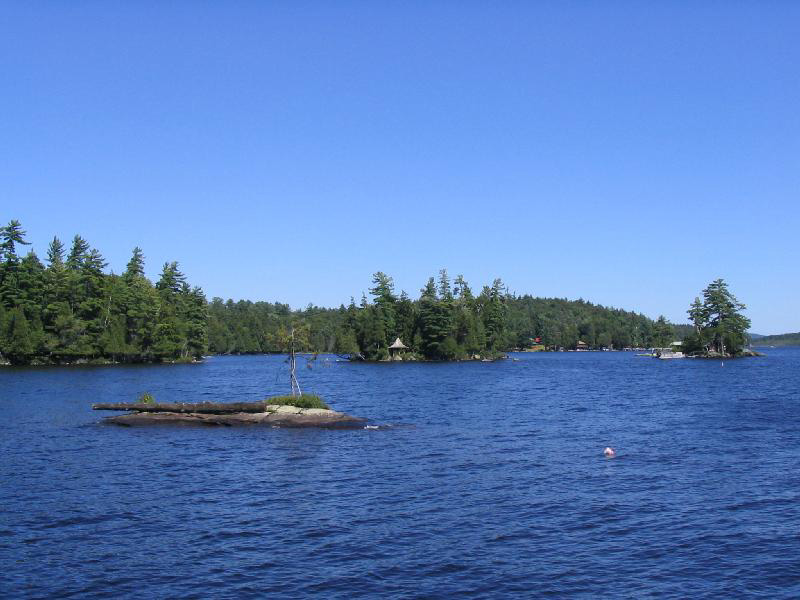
784	339
69	309
448	321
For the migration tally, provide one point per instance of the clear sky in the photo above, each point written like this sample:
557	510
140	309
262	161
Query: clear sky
624	152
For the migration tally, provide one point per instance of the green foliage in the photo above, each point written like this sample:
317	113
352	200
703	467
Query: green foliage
135	266
435	323
663	333
72	310
18	344
301	401
445	323
146	398
719	325
385	303
784	339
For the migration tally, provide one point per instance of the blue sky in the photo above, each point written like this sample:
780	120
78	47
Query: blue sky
623	152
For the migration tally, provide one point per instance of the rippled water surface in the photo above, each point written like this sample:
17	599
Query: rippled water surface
491	482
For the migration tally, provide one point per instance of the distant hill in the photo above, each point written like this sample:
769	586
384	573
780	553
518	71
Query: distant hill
784	339
682	330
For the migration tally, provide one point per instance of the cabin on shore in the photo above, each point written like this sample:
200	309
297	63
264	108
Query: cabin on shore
396	348
581	346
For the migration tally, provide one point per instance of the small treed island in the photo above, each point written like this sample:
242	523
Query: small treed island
69	310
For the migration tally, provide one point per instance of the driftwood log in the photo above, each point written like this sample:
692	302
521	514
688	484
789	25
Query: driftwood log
203	408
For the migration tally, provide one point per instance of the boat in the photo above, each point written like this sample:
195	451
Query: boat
667	353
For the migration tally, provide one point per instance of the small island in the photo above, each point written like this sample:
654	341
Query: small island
294	410
279	411
720	328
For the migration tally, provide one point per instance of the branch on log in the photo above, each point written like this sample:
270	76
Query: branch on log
209	408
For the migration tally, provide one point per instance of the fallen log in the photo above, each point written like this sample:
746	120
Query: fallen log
203	408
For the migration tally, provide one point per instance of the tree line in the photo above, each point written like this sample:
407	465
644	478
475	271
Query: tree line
783	339
69	309
447	321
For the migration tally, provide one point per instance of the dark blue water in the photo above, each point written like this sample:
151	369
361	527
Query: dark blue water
491	484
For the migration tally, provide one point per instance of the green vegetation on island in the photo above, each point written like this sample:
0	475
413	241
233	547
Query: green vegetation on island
720	329
70	310
301	401
448	321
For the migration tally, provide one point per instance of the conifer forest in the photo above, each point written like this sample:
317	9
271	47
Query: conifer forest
70	308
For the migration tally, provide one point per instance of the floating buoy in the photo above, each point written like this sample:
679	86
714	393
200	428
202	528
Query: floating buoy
609	452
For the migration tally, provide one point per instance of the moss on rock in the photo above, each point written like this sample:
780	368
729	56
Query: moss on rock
301	401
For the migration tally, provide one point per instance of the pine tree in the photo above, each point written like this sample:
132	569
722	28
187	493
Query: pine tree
195	315
718	320
434	324
140	308
77	254
18	346
387	302
662	333
10	235
55	253
168	337
406	319
135	266
461	289
494	315
374	334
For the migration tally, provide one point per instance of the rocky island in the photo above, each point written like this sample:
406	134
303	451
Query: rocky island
228	414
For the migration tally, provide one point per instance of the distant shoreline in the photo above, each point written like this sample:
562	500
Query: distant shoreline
341	358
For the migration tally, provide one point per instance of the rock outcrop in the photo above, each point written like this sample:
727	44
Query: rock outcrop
271	414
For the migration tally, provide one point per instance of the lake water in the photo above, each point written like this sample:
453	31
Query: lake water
490	482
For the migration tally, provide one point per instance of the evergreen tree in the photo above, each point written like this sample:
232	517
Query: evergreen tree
135	266
461	289
55	254
662	333
77	254
55	305
494	315
140	308
386	301
719	323
445	292
72	309
434	324
406	319
18	346
373	337
168	337
195	315
10	235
